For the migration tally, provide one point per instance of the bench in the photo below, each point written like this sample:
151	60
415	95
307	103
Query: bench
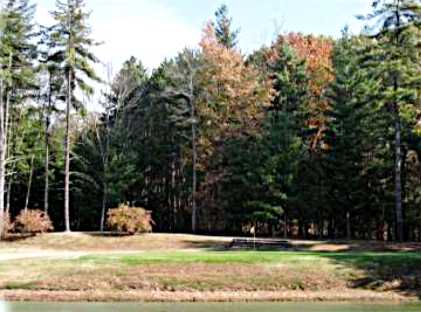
250	243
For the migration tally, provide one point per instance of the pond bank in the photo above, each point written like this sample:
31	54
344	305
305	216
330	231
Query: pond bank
340	295
185	268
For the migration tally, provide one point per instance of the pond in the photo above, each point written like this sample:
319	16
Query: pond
202	307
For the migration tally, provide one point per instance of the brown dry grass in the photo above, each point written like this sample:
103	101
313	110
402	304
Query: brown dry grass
97	242
79	241
200	296
74	275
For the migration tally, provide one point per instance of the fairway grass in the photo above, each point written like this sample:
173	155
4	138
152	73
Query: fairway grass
255	257
210	257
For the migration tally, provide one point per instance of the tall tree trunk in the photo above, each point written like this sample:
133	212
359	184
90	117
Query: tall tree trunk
67	139
4	118
194	159
194	181
173	198
285	226
46	174
47	148
2	170
31	173
104	207
398	143
398	178
104	155
404	154
2	158
9	191
10	151
105	152
348	226
67	156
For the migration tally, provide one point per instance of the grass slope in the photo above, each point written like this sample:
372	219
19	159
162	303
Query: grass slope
198	264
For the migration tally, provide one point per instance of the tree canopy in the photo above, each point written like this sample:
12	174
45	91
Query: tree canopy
310	136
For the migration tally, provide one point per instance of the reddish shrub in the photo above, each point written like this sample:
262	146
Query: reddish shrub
7	225
33	222
129	220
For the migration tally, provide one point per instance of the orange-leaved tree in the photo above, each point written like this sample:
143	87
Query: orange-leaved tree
235	95
232	106
317	52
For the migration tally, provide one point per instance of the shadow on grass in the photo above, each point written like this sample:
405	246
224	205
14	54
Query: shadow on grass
18	237
362	246
330	246
385	266
205	244
383	271
183	243
213	245
109	234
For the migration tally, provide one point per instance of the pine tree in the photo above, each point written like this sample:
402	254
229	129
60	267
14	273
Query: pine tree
115	133
53	93
347	134
17	54
394	63
223	28
72	41
286	120
189	66
290	80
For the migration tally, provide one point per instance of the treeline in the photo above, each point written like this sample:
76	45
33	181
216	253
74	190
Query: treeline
310	137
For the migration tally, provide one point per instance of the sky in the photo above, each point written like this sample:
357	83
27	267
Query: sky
153	30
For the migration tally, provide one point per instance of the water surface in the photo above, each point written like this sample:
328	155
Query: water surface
204	307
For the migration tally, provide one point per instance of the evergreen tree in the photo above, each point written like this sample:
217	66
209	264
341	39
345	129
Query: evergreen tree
72	41
51	95
347	135
185	77
394	64
223	28
17	75
286	120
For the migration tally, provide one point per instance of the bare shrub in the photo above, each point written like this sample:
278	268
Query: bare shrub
33	222
129	220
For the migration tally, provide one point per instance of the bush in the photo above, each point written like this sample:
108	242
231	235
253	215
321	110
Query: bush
7	225
129	220
33	222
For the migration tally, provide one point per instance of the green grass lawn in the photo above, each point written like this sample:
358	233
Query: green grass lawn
369	259
210	257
